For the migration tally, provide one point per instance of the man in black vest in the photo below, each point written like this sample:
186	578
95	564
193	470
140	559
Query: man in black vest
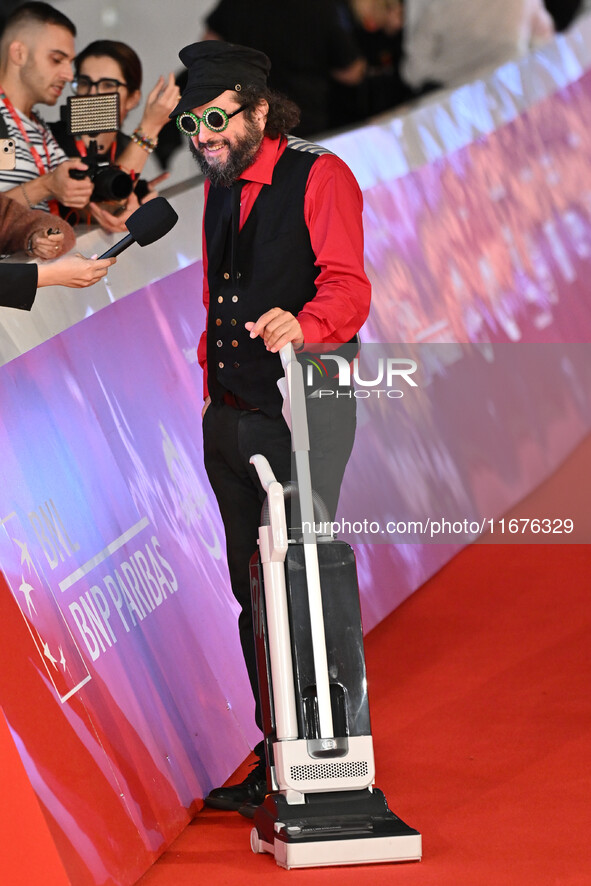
283	262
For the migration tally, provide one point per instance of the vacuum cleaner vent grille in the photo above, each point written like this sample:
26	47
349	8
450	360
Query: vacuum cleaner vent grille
314	771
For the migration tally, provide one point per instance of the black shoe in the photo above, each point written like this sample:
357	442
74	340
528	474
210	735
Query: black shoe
250	791
249	809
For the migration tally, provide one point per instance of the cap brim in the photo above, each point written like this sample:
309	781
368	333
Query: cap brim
195	97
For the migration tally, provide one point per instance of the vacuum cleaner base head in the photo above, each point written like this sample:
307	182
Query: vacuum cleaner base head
343	828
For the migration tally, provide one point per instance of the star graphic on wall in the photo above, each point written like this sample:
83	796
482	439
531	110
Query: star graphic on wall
27	590
48	655
25	556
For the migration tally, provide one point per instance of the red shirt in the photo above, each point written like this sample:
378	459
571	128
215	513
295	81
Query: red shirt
333	206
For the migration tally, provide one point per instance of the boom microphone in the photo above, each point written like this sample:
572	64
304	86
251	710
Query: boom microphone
151	221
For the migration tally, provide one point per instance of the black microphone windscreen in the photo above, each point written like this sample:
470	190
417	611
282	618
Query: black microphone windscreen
152	220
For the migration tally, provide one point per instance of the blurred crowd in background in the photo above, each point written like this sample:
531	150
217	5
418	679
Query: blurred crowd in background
346	61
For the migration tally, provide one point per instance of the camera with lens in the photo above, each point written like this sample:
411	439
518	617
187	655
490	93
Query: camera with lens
90	115
111	183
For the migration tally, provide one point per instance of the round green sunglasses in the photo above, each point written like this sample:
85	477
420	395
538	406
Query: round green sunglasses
214	118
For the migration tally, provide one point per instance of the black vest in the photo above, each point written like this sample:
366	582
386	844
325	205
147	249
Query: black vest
272	266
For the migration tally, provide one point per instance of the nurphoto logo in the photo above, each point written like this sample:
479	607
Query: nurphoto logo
384	377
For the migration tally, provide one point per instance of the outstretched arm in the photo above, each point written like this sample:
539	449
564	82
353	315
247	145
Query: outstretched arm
74	271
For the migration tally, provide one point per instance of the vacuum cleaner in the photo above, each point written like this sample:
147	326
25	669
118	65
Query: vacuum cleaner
321	807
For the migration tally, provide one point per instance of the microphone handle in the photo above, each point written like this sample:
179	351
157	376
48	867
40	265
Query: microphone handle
118	247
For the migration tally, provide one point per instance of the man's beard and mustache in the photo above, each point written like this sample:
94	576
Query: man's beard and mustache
240	156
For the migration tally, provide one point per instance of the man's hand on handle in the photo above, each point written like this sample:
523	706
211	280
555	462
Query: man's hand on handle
277	328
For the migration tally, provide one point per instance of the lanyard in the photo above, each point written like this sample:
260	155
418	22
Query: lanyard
83	151
41	168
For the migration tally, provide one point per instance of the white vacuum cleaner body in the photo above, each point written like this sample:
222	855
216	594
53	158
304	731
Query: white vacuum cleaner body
322	807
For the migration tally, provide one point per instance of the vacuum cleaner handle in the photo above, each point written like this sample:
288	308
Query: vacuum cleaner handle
287	354
294	411
294	399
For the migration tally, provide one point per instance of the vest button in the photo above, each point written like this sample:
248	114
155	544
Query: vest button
238	274
226	276
234	298
233	321
234	344
218	322
219	342
221	365
236	365
220	298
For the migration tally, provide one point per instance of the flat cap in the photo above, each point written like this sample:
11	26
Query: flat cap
215	66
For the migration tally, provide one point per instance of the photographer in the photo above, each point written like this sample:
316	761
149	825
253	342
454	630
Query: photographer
36	53
105	67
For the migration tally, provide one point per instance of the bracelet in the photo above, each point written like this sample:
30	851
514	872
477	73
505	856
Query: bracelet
148	144
26	196
29	249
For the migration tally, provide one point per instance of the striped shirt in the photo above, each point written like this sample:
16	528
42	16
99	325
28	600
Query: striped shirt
26	169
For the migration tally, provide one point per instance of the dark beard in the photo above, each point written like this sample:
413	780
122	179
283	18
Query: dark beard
240	156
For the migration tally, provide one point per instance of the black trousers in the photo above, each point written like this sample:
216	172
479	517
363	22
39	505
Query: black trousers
230	438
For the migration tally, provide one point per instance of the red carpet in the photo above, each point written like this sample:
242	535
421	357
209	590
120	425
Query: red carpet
481	707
